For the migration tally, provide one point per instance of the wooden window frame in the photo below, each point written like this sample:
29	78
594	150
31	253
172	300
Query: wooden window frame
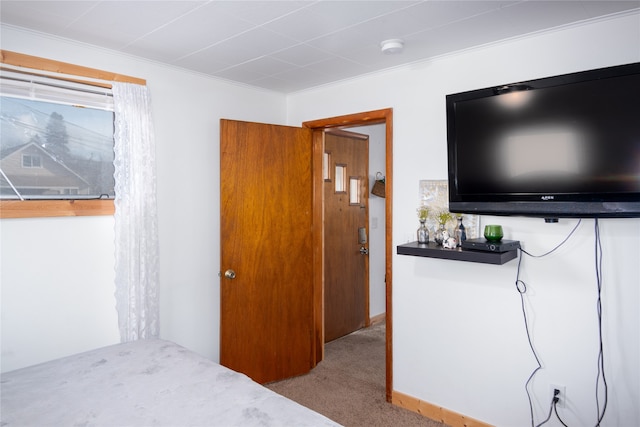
60	208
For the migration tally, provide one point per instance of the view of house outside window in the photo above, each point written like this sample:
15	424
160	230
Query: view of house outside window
55	151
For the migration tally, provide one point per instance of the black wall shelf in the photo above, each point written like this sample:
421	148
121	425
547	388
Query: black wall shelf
433	250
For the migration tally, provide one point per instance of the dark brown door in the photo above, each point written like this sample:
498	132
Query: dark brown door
266	289
346	272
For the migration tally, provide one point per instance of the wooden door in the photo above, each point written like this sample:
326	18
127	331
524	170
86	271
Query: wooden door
266	287
346	272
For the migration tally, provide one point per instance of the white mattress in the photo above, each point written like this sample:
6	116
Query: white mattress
143	383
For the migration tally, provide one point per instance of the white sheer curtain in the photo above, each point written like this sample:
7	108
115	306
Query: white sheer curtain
136	224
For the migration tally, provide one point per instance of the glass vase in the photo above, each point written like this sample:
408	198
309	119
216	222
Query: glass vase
461	232
441	234
423	233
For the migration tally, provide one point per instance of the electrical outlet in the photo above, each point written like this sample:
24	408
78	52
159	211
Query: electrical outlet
562	396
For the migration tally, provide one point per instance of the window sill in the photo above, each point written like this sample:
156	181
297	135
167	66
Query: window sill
55	208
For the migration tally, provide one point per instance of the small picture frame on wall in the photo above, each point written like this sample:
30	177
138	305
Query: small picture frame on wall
434	194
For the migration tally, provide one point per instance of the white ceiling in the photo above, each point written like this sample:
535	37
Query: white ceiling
291	45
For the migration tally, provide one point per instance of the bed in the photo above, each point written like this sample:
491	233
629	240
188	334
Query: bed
143	383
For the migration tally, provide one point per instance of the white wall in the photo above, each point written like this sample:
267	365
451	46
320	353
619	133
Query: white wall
459	338
57	274
377	156
57	288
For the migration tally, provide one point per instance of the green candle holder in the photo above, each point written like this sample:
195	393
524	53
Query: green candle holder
493	232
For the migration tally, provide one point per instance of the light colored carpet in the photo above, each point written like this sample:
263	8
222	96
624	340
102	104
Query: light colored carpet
348	386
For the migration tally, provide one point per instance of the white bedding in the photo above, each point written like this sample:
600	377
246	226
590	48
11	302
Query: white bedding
143	383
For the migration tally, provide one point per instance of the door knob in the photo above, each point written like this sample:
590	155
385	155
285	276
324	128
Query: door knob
364	251
230	274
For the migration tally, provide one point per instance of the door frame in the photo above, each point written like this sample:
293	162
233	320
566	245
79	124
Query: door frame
383	116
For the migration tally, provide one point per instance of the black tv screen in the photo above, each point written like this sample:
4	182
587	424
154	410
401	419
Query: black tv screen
563	146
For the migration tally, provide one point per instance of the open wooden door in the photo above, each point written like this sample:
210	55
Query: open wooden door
266	285
346	230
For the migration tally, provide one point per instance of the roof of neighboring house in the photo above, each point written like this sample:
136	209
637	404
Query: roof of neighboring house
59	176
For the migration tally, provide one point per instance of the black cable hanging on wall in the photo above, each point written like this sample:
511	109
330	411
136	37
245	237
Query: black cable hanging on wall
600	378
521	287
601	381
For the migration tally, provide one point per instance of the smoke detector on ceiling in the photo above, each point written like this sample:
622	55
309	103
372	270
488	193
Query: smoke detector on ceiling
392	46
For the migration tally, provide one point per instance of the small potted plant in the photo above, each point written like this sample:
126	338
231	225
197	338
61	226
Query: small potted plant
423	213
423	232
441	233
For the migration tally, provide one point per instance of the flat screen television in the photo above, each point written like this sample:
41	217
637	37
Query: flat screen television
556	147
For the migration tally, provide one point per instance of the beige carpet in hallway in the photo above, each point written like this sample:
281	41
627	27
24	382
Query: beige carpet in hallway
348	386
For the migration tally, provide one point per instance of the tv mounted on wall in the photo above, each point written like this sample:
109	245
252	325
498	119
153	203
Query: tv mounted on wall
563	146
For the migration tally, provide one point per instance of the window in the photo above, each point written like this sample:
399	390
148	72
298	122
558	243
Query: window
326	164
341	178
31	161
69	142
355	190
73	188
